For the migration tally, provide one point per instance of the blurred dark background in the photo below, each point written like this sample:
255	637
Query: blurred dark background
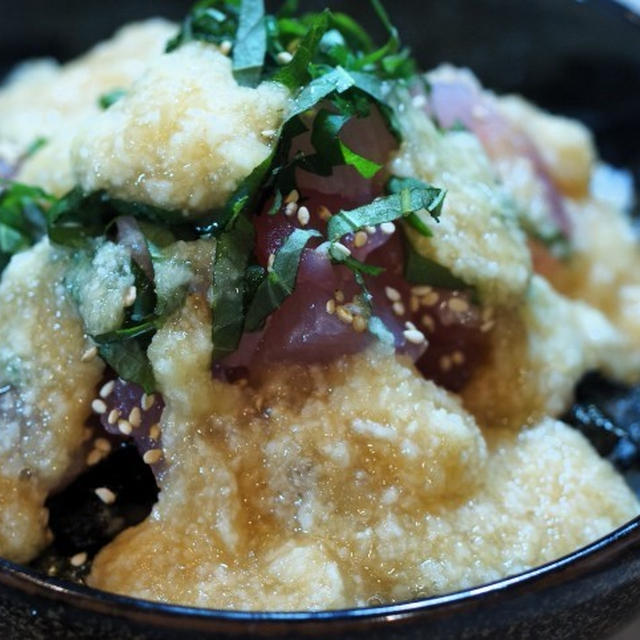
579	58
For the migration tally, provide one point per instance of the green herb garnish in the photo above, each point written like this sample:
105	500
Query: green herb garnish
22	218
280	280
110	98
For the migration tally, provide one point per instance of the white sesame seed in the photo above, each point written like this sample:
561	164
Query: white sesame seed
345	315
421	290
147	401
135	417
458	305
414	336
359	324
79	559
303	216
98	406
152	456
293	196
113	416
409	325
270	260
324	213
124	427
89	354
338	294
102	444
428	322
360	239
387	228
268	133
370	230
225	47
392	294
398	308
106	495
94	457
130	296
154	431
284	57
340	250
290	209
107	389
331	307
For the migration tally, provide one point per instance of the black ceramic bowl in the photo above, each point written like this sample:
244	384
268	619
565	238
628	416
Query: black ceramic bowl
580	58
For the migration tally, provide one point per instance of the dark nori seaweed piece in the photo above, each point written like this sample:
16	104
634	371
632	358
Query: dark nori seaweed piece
81	522
608	414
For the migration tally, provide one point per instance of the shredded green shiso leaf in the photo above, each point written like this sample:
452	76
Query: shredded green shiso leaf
335	74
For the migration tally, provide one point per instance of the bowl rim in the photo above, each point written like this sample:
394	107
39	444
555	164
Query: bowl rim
577	564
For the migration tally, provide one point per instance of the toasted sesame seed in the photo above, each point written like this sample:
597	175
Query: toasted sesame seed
457	357
421	290
102	444
225	47
293	196
107	389
345	315
94	457
98	406
89	354
324	213
387	228
342	251
154	431
398	308
106	495
331	306
359	324
445	363
360	239
124	427
147	401
284	57
458	305
130	296
113	416
338	294
152	456
290	209
392	294
414	304
430	299
487	326
79	559
135	417
428	322
303	216
414	336
270	260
